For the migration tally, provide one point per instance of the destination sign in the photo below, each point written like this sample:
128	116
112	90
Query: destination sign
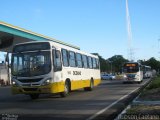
31	47
131	65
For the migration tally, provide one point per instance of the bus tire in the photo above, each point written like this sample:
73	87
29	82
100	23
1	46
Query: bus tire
66	89
124	82
139	82
90	88
34	96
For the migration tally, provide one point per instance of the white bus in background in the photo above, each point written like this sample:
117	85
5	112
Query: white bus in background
49	67
133	72
147	71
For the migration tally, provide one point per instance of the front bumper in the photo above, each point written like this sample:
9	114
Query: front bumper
51	88
131	79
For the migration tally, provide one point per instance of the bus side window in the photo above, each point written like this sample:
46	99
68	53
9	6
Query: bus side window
79	60
94	63
57	60
72	60
90	62
65	57
98	65
141	68
84	59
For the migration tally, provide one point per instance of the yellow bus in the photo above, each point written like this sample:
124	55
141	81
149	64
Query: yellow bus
50	67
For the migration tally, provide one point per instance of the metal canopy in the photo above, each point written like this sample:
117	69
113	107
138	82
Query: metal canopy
11	35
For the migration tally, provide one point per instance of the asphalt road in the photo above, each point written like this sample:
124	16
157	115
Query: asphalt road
79	105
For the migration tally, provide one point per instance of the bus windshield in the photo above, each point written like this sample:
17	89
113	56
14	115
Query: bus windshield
131	67
31	63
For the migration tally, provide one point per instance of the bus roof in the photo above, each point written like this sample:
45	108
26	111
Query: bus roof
11	35
61	46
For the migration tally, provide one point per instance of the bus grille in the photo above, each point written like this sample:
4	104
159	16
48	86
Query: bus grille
131	76
30	80
30	89
30	84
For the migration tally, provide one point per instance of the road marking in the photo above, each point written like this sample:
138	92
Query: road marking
106	108
103	110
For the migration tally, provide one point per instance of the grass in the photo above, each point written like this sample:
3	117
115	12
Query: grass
154	84
144	109
151	92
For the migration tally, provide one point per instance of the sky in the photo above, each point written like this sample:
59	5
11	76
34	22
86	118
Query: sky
96	26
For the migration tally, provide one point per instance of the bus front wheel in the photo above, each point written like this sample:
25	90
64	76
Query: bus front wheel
66	90
139	82
90	88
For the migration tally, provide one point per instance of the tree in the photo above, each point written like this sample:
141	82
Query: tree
117	62
153	63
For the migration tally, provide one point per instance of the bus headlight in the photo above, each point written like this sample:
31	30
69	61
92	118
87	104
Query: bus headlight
14	83
46	82
124	76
